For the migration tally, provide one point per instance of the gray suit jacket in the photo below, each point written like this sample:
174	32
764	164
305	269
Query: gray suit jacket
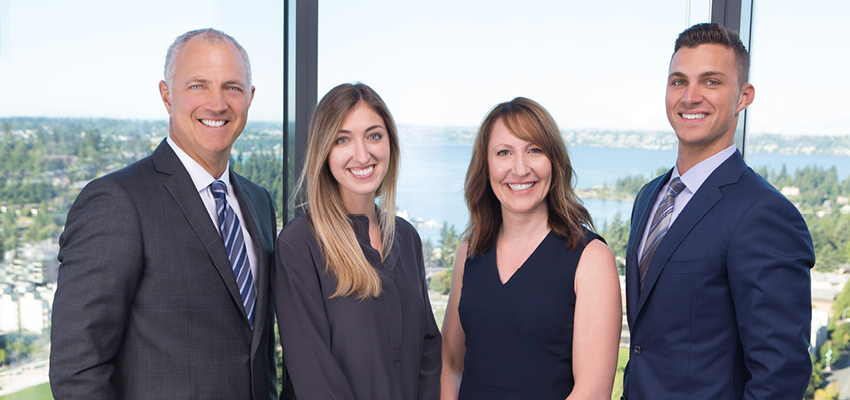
147	304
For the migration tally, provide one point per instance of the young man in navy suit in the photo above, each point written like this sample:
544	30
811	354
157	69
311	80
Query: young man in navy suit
717	271
151	303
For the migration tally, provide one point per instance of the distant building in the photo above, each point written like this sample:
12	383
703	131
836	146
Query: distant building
790	191
825	287
27	286
820	321
25	308
8	309
34	312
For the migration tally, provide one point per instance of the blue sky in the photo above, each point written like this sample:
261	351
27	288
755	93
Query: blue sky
94	58
594	65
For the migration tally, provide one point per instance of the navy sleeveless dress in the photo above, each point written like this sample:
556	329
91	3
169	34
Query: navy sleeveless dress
519	335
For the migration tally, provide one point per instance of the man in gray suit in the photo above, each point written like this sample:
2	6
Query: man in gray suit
164	279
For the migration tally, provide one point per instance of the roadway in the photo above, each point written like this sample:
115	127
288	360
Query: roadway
841	377
23	376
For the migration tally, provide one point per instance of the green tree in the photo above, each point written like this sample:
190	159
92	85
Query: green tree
441	282
278	359
630	185
817	378
264	169
10	231
831	238
448	245
827	393
43	226
428	254
616	234
842	301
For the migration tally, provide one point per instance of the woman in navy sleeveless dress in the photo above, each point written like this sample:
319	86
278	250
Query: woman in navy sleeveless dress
534	311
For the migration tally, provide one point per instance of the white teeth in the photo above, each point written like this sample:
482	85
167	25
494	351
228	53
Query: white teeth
519	188
209	122
694	116
362	171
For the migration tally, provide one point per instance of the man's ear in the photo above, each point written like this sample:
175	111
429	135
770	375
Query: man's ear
746	97
166	96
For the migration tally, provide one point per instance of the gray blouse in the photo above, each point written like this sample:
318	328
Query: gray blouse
383	348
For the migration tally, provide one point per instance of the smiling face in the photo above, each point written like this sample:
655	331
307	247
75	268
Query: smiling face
359	158
704	99
520	172
208	101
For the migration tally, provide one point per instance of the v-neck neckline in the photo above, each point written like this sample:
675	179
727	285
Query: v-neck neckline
521	266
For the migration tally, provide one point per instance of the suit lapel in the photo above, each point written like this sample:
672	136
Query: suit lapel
708	195
640	217
251	216
182	189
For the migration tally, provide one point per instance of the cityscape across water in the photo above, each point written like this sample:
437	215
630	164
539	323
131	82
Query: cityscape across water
430	187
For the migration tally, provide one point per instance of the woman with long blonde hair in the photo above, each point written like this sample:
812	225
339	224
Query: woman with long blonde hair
349	281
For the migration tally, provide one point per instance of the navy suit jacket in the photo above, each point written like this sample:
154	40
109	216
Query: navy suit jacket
725	311
147	306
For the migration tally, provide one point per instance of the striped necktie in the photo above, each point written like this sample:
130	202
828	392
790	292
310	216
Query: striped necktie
660	225
234	242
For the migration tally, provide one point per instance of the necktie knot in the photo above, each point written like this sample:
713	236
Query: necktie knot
676	186
219	190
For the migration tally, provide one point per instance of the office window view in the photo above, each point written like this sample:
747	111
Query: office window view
798	137
79	99
440	67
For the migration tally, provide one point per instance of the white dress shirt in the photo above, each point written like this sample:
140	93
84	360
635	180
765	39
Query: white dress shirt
202	180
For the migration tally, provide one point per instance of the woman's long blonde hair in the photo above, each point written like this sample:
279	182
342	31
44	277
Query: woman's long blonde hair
324	208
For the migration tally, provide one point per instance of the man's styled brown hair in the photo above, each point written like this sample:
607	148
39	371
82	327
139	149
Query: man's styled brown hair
712	33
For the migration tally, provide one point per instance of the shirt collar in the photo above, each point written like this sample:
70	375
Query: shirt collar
200	177
695	176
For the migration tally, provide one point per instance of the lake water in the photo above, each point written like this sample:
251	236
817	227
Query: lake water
431	182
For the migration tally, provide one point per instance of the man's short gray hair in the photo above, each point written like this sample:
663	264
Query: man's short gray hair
212	36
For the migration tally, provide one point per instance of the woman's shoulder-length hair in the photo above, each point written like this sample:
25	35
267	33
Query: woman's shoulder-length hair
529	121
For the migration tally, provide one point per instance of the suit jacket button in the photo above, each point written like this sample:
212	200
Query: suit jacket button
637	350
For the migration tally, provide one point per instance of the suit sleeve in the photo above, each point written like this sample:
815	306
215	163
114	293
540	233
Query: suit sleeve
768	263
100	264
432	362
303	325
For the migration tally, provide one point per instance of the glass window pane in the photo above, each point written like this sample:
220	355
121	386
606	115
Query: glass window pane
80	99
798	132
599	69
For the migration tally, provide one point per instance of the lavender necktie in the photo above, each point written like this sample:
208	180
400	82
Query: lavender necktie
660	225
